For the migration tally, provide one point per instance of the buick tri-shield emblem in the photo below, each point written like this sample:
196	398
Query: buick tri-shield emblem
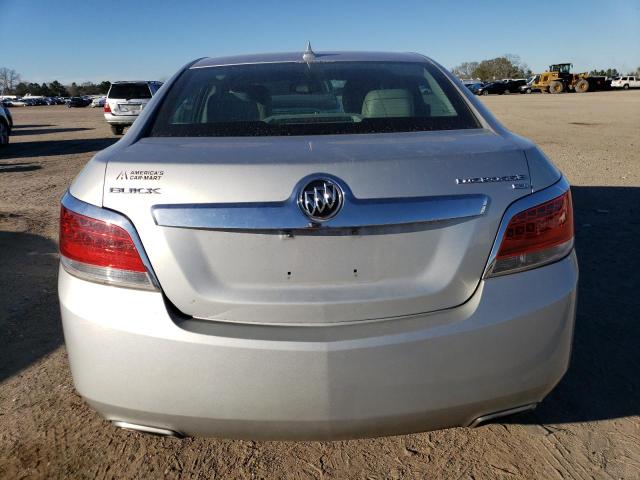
321	199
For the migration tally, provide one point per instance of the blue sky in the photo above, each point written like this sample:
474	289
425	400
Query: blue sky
119	40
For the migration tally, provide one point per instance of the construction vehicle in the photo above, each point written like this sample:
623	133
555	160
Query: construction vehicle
560	79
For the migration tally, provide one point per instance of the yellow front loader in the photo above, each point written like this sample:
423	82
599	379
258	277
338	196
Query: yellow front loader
560	79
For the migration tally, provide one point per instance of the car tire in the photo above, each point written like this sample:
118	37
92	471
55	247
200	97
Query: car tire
626	86
528	91
117	129
485	92
4	134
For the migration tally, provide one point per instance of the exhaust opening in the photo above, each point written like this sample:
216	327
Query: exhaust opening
161	432
502	413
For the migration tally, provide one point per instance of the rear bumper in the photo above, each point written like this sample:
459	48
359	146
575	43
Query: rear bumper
506	347
120	119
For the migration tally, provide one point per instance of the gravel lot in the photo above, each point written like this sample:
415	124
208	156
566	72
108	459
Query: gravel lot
589	427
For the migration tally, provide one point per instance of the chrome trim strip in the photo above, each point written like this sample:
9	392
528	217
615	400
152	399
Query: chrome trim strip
356	213
83	208
536	198
246	63
286	215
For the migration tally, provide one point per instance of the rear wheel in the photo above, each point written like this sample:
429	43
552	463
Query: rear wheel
556	87
485	92
528	90
626	86
4	134
117	129
582	86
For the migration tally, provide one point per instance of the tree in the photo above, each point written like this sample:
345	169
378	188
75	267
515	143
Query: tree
34	88
507	66
45	90
89	88
105	86
9	79
21	89
465	70
11	83
609	72
57	89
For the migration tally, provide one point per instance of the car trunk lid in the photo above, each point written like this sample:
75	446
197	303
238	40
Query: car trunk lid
219	221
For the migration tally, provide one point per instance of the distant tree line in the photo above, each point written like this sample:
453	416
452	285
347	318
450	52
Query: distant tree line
506	66
11	83
609	72
510	66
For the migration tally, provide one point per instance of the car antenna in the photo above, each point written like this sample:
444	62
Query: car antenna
308	55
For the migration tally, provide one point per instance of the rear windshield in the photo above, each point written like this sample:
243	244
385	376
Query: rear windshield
307	99
129	90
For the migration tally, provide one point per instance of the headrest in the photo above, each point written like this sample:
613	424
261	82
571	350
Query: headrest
396	102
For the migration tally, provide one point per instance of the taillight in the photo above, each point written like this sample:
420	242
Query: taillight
536	236
107	108
100	251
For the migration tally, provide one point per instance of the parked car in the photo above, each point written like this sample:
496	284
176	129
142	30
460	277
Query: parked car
474	87
498	87
34	100
316	246
513	86
98	102
626	82
125	101
7	114
6	124
16	102
528	87
78	102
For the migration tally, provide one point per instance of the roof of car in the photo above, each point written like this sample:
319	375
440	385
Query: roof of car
319	57
136	81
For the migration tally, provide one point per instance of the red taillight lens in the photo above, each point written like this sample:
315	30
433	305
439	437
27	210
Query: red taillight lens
107	108
535	237
538	228
95	242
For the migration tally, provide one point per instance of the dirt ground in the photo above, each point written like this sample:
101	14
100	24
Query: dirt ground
589	427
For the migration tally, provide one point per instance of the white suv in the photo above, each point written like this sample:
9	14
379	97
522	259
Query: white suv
125	101
627	82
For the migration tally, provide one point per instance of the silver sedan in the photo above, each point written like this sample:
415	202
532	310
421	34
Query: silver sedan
316	246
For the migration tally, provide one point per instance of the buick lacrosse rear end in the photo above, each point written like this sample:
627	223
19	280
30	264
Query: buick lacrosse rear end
316	246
